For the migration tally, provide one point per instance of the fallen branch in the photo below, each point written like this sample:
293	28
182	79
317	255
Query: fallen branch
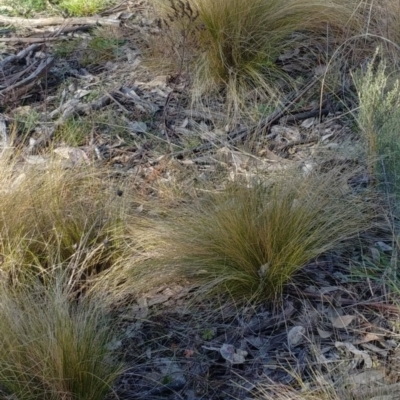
31	39
38	22
40	70
17	57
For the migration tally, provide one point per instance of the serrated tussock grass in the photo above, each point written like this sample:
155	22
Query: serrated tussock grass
54	348
236	43
71	218
250	241
382	22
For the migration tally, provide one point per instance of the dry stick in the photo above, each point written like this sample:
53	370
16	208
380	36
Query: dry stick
22	54
165	121
39	22
11	79
31	39
40	70
316	112
48	35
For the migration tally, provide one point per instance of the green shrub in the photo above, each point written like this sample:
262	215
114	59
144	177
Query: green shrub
379	118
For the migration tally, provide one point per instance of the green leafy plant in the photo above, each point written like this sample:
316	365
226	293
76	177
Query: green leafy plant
208	334
24	7
378	119
250	240
66	48
52	347
382	273
82	8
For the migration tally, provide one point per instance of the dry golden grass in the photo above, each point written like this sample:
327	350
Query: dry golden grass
327	385
235	43
52	347
49	214
381	26
249	241
78	219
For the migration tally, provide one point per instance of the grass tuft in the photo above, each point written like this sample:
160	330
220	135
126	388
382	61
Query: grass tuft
249	241
237	42
52	217
52	348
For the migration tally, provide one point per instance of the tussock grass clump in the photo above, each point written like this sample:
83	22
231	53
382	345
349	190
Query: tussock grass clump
52	348
81	220
56	216
382	22
249	241
238	41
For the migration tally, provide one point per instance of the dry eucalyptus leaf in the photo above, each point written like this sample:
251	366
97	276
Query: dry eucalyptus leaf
114	345
369	337
308	123
342	321
72	153
235	357
263	270
328	289
358	354
138	127
296	335
375	349
324	334
383	246
375	254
